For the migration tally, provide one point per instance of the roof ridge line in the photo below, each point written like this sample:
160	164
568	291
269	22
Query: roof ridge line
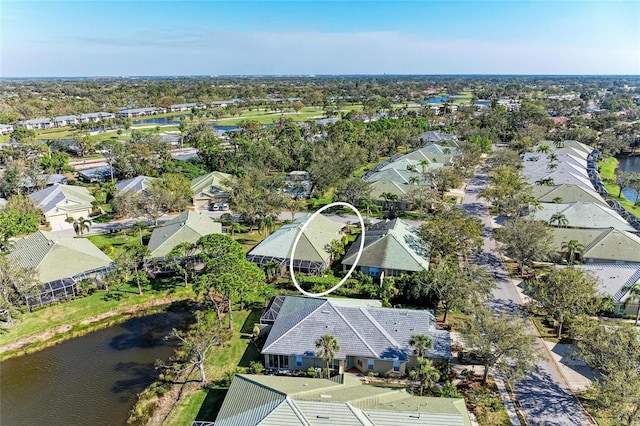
298	413
380	328
295	326
597	239
335	308
359	414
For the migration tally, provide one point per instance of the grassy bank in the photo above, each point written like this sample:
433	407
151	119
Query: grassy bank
54	324
608	174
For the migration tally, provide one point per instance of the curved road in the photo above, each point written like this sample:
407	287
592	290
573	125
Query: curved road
544	396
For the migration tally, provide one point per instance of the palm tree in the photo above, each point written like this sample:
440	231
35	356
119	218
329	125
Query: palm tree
634	294
139	226
414	180
327	346
543	149
421	344
573	249
80	225
424	163
560	219
426	373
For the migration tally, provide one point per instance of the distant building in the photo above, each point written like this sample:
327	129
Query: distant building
5	129
36	123
185	107
139	112
137	184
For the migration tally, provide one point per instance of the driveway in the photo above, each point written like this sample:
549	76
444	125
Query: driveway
544	396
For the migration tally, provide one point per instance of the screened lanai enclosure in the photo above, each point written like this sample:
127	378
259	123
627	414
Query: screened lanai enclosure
307	267
65	288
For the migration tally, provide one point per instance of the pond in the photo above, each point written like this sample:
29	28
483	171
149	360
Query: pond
157	121
629	164
90	380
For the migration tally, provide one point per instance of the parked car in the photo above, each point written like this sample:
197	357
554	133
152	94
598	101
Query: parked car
469	358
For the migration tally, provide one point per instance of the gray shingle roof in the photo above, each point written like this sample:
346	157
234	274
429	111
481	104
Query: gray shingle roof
64	197
136	184
583	215
57	256
614	280
392	244
186	228
567	193
381	333
607	245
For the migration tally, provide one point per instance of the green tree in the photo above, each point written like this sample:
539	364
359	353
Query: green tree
426	373
80	225
572	249
336	249
564	293
327	346
619	394
16	283
524	240
634	294
502	342
506	189
560	219
452	232
19	217
352	191
421	344
181	258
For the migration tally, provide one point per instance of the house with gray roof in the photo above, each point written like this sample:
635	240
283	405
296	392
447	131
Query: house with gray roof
189	227
210	189
36	123
139	112
616	282
539	168
59	202
60	262
5	129
566	194
582	215
137	184
601	245
311	256
431	137
370	338
381	188
286	401
391	248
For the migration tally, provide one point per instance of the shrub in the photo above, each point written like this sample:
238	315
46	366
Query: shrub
256	367
311	372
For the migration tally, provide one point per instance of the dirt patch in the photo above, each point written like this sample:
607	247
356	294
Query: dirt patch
59	331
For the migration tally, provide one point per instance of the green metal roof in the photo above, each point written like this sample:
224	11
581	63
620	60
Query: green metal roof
188	227
605	244
567	193
210	184
57	256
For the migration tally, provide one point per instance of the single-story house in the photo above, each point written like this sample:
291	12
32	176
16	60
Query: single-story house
186	228
5	129
139	112
276	400
566	194
185	107
97	174
601	245
582	215
311	256
400	190
60	261
137	184
616	282
431	137
59	202
370	338
210	189
391	248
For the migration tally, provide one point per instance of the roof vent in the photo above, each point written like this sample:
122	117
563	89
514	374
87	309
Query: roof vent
326	312
325	396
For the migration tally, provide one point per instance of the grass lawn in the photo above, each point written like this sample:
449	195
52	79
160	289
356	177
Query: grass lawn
205	403
76	311
119	241
607	173
249	240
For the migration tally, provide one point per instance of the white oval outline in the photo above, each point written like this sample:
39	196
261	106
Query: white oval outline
295	245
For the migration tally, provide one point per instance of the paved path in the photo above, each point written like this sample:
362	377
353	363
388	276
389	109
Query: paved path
544	396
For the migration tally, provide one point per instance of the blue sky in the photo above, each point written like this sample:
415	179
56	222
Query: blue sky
118	38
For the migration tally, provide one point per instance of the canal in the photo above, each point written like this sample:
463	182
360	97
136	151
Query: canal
89	380
629	164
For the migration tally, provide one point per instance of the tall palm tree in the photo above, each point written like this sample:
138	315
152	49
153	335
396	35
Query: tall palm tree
414	180
560	219
426	373
634	294
424	163
421	344
327	346
80	225
572	249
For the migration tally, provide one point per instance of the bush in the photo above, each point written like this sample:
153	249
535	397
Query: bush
256	367
311	372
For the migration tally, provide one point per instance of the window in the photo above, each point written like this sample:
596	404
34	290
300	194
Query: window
359	361
298	360
278	361
396	366
334	364
370	363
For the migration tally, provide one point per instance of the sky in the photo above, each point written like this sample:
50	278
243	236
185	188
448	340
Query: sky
129	38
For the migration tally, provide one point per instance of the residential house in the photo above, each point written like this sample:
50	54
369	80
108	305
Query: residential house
210	189
65	120
581	215
184	107
391	248
542	169
139	112
566	194
60	262
137	184
186	228
616	282
311	256
370	338
97	174
36	123
431	137
59	202
382	189
601	245
278	400
95	117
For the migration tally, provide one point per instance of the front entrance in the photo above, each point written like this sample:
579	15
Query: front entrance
350	363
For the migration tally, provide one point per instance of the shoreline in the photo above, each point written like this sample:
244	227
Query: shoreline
58	334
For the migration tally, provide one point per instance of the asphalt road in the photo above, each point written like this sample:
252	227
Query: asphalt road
543	396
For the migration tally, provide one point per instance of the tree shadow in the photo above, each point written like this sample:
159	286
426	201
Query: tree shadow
148	331
250	354
140	375
252	319
211	405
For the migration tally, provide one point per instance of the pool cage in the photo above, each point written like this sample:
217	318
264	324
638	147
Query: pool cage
308	267
65	288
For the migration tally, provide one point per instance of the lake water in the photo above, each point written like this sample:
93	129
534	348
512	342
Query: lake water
89	380
158	121
629	164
